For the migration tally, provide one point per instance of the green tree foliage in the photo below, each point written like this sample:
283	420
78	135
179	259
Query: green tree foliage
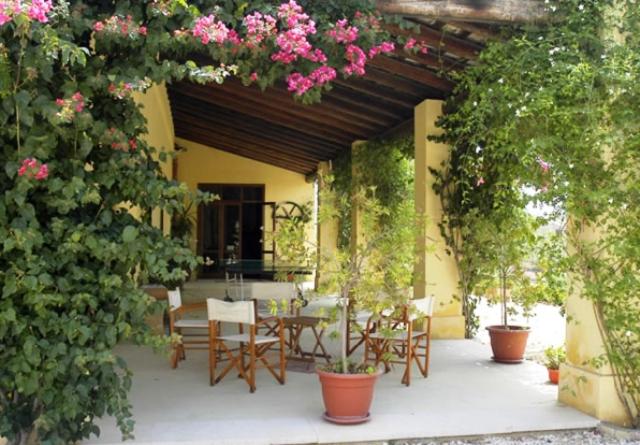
75	162
385	165
554	109
373	273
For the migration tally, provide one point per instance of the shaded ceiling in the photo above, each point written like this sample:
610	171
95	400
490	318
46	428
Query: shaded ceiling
271	127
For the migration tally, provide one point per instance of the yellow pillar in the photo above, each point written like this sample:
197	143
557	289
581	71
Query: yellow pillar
436	272
157	112
586	387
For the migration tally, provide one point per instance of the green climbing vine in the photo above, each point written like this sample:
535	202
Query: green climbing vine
549	116
384	165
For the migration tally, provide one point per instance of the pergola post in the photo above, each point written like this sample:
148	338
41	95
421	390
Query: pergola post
582	385
590	388
436	271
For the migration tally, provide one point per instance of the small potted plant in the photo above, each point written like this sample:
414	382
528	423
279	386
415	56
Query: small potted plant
508	241
553	358
365	276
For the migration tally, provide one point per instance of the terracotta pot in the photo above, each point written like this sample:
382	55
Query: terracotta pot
554	375
347	397
508	343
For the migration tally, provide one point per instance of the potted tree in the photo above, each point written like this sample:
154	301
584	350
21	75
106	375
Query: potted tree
371	274
507	277
553	358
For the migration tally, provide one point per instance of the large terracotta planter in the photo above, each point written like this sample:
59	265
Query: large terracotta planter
508	343
554	375
347	397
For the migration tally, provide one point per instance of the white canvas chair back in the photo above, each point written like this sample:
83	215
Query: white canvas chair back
235	286
272	290
175	299
422	307
235	312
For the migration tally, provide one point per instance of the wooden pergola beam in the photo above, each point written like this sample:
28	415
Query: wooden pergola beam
493	11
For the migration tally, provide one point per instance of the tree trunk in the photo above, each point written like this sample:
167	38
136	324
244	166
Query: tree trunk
344	333
493	11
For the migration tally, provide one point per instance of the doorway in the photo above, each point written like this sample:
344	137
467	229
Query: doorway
232	227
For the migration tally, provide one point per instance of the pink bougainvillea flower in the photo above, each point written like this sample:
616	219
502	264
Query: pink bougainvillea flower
342	32
142	30
410	43
32	168
43	172
253	76
480	181
38	10
384	47
209	29
98	26
357	61
545	166
259	27
133	144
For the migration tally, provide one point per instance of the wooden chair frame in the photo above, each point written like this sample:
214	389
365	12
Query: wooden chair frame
414	347
187	341
254	352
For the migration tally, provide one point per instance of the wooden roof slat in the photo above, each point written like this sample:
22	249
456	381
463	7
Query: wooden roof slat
219	123
412	72
287	119
493	11
337	117
439	40
269	102
247	150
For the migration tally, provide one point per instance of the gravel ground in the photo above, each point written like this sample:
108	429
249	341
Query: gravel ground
565	438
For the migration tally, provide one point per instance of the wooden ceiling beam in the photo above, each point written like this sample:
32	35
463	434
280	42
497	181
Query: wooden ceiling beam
268	106
378	91
417	90
493	11
430	60
248	150
285	119
324	110
483	32
412	72
439	40
214	115
270	138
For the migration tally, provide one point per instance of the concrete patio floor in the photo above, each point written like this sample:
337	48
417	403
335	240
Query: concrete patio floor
465	394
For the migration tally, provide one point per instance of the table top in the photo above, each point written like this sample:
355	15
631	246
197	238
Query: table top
264	267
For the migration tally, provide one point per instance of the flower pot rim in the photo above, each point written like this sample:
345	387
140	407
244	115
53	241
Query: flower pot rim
359	375
513	328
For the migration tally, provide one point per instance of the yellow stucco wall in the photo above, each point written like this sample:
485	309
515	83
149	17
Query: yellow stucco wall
436	272
200	164
157	110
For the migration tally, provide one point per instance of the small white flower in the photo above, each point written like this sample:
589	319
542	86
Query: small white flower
475	104
553	8
580	6
501	80
478	149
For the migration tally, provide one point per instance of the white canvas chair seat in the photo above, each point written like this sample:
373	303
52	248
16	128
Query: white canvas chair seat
395	335
191	324
246	338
